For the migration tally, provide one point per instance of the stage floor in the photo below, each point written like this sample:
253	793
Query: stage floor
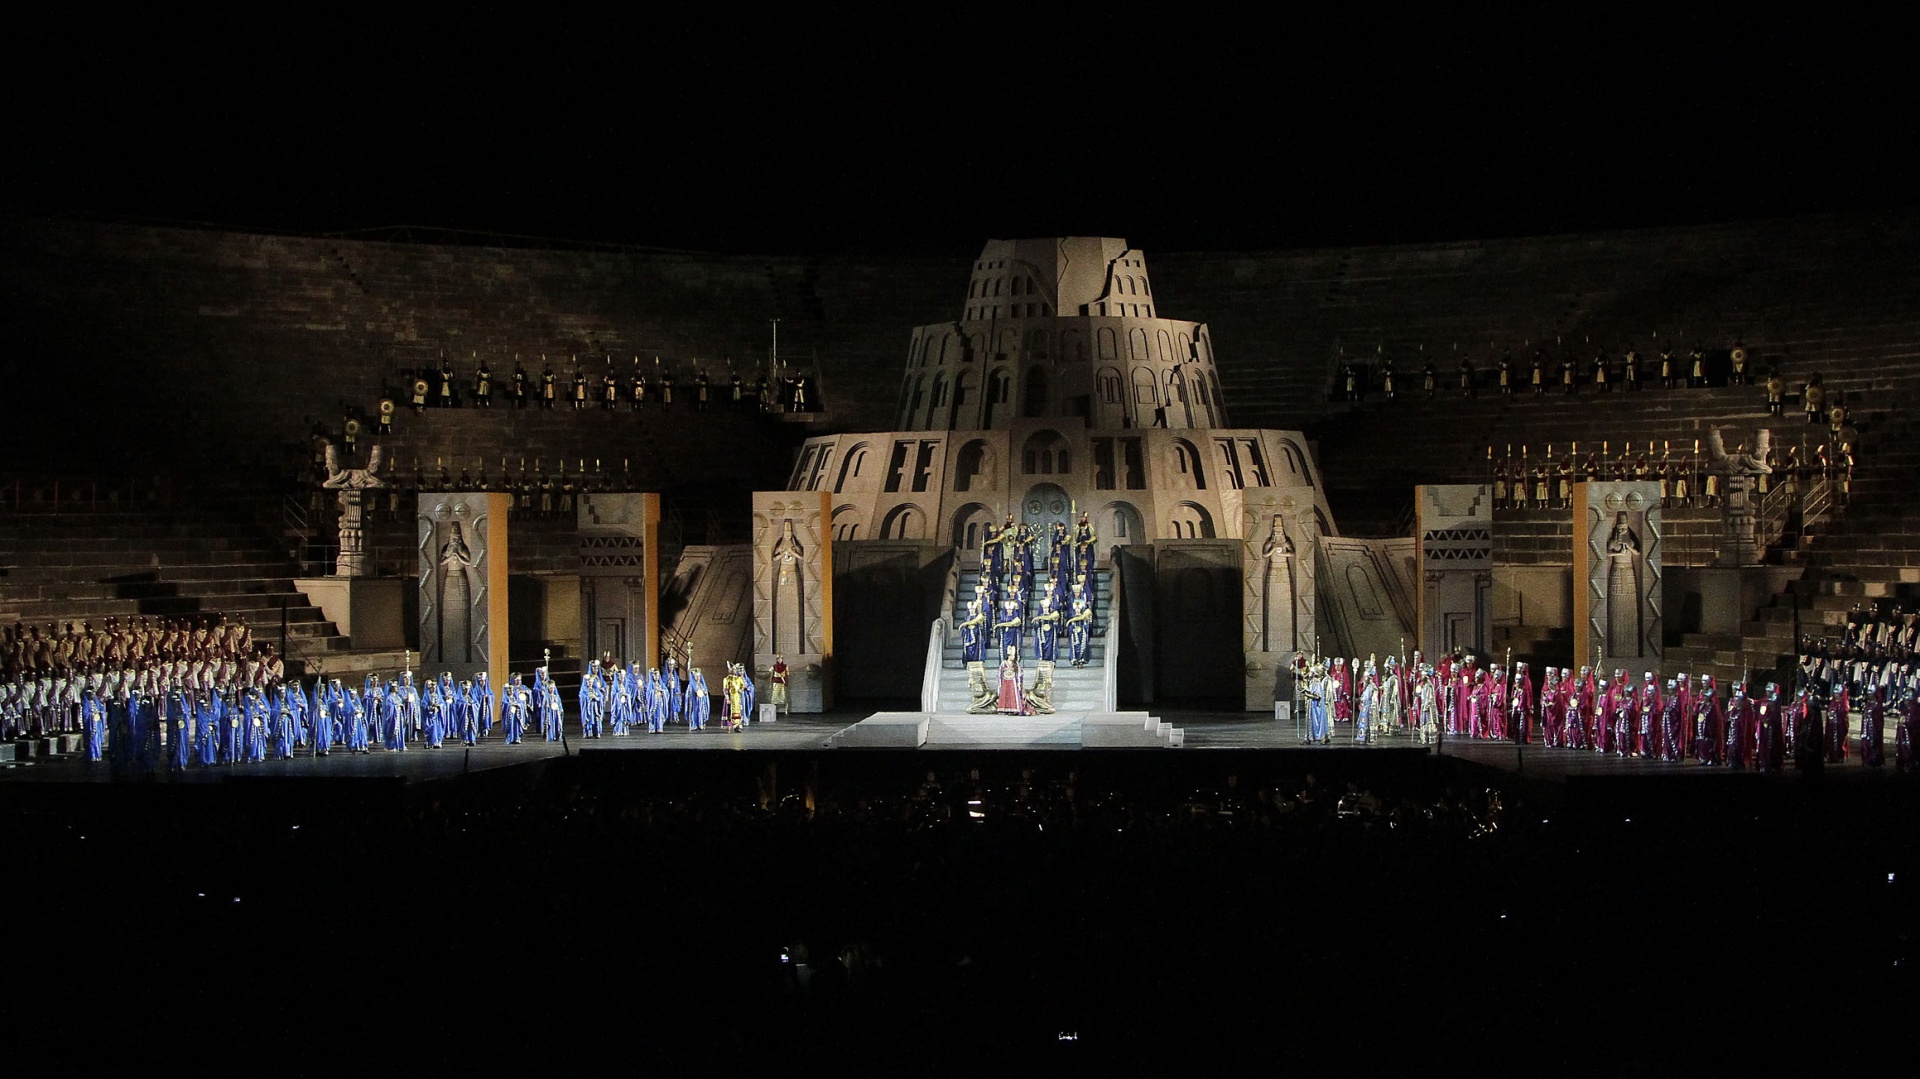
1205	731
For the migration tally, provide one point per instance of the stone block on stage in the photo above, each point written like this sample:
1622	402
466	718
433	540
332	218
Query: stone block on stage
1617	575
793	595
1454	526
369	611
620	578
1280	538
885	730
462	545
1123	730
768	713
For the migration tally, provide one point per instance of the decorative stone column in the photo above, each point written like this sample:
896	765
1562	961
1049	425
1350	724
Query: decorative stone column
1616	575
793	595
1279	541
620	577
1740	502
462	545
352	485
1454	525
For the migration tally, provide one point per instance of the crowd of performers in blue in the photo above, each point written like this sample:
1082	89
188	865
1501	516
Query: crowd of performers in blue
181	726
1005	615
1684	720
614	701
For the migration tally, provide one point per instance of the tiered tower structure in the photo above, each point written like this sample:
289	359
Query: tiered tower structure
1061	389
1060	385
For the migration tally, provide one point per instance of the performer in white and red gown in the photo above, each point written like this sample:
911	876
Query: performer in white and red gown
1579	705
1013	699
1341	707
1497	704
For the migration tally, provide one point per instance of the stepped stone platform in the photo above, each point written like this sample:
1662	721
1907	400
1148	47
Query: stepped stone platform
948	730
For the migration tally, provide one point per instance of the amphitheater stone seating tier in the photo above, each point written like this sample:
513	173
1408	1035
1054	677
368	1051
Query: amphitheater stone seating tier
132	562
209	356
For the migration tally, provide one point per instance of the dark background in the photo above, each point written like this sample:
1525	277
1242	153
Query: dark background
826	131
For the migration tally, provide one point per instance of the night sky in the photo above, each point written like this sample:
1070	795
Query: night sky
819	130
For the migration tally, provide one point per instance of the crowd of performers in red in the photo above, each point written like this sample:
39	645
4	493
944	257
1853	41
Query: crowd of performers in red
1679	721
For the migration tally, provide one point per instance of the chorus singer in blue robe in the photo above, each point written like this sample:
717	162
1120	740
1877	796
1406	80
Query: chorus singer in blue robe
973	630
180	717
657	707
1079	631
514	710
1046	631
1008	627
93	719
698	705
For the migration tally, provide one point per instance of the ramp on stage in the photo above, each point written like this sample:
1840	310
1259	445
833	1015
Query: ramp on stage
954	730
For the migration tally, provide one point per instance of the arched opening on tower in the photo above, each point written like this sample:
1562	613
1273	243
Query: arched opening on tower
971	465
970	525
1190	520
1046	453
903	523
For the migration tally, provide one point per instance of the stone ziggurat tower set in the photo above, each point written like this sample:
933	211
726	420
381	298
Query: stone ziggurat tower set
1060	400
1060	391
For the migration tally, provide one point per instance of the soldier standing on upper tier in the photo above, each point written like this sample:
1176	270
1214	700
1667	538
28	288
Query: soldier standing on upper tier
1813	398
444	395
1696	368
1633	371
1430	379
482	384
519	384
1466	376
1506	375
1776	392
549	387
1667	372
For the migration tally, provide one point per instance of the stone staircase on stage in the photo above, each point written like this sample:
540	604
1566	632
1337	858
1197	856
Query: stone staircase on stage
77	564
1081	717
946	730
1075	689
1867	554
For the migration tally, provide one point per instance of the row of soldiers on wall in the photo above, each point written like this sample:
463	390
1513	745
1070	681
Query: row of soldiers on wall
537	493
1687	720
1686	478
637	388
791	392
1539	374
